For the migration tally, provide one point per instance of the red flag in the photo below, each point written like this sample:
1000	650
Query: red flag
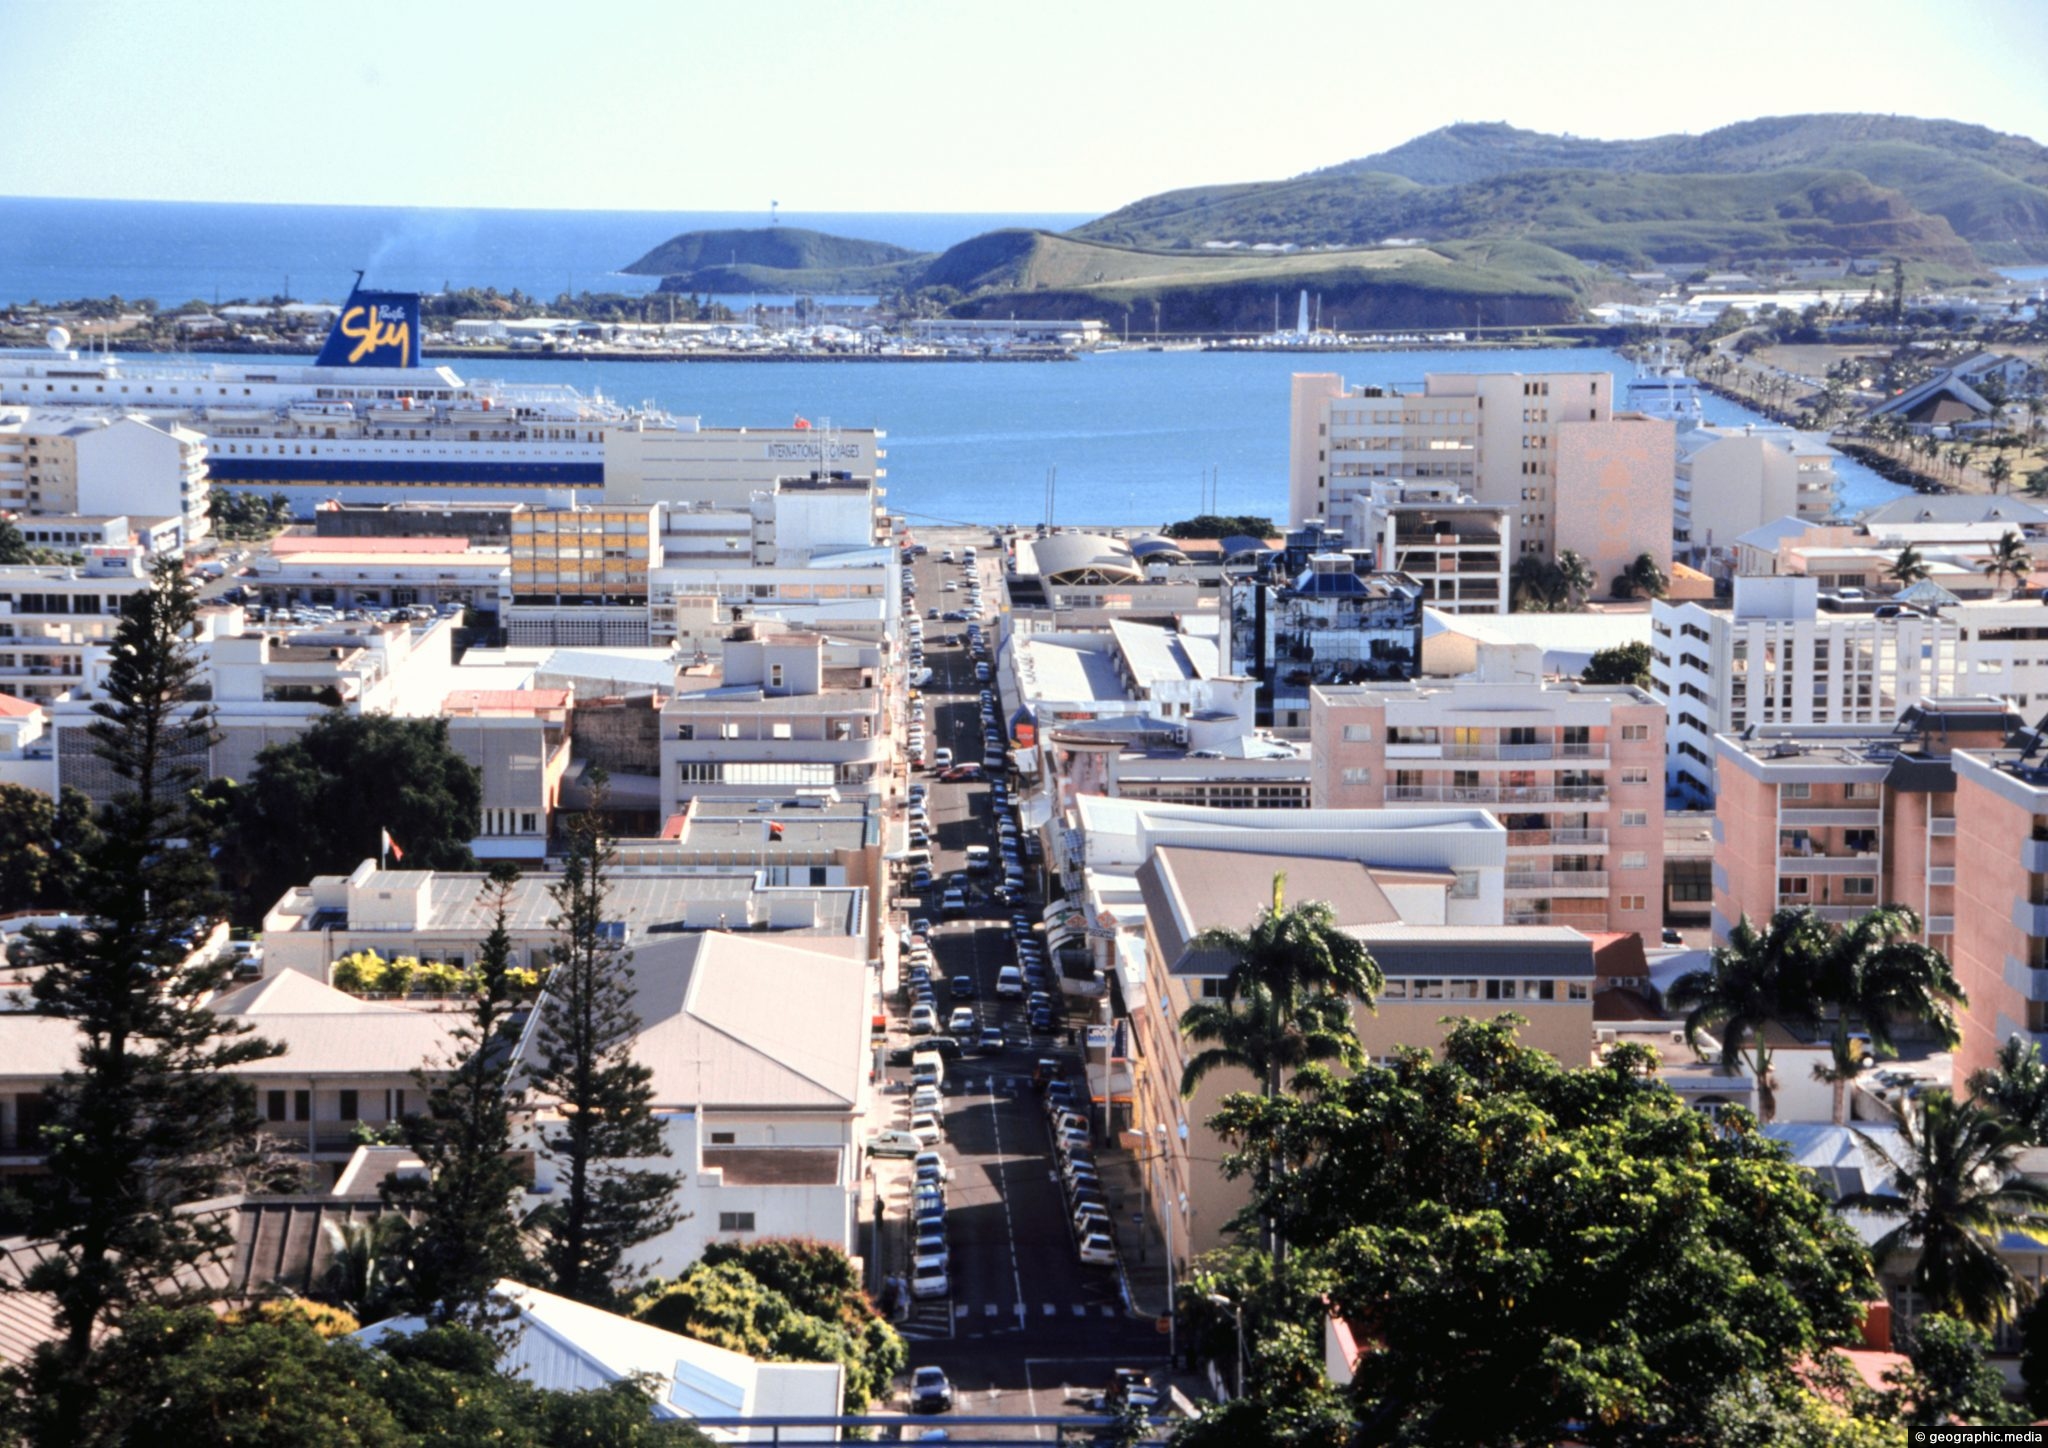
802	424
391	847
775	829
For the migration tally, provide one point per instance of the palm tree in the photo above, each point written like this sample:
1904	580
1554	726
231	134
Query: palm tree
1285	1001
1644	578
1875	974
1576	577
1535	585
1296	956
2010	559
2000	472
1909	567
2016	1086
1954	1184
1757	978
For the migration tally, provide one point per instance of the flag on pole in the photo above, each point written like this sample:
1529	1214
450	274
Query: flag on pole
391	847
802	424
774	829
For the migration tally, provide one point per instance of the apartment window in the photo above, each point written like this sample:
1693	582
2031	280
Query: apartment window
1796	791
1635	860
528	823
775	676
273	1105
1862	886
1394	990
1863	789
302	1105
1629	902
1578	990
721	1138
735	1221
1500	990
1358	776
1462	990
729	731
1465	885
1634	733
1358	733
351	1107
1429	990
1792	884
1635	776
1539	990
1634	818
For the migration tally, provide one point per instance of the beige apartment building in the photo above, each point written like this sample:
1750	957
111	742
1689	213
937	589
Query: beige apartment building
1575	772
1433	970
100	464
1548	446
1842	817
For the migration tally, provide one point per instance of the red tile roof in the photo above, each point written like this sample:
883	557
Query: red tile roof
505	701
15	708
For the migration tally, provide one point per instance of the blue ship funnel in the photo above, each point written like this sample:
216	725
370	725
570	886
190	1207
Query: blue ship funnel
375	329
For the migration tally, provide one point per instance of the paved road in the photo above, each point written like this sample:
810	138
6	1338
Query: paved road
1027	1329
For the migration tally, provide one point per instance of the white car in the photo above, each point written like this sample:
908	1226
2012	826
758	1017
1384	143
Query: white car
961	1022
925	1101
931	1162
927	1132
924	1021
1010	983
928	1279
1097	1251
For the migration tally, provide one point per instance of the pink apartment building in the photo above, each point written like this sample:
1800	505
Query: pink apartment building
1575	772
2001	900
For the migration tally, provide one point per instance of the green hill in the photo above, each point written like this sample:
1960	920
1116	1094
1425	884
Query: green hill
768	248
1623	218
1991	187
1005	272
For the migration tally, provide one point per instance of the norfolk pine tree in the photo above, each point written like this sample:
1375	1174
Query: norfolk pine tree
467	1238
584	1063
152	1114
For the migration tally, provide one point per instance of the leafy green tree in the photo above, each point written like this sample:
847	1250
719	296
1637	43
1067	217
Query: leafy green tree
152	1116
1955	1188
13	547
306	810
1576	577
466	1238
584	1065
2016	1086
1950	1379
1909	567
1221	525
786	1300
189	1379
1622	664
2034	1356
42	847
1532	1252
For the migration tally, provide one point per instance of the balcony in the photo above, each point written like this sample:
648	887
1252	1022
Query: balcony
1941	874
1839	817
1794	862
2031	918
2033	854
1590	794
1941	925
1942	826
1557	881
1554	839
1545	750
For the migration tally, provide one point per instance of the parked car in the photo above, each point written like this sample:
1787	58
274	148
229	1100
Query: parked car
962	1021
895	1143
1098	1251
928	1279
923	1020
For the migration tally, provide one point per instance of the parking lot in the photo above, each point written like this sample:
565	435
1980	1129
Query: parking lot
1023	1325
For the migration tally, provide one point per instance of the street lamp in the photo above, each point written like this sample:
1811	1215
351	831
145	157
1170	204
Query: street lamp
1217	1299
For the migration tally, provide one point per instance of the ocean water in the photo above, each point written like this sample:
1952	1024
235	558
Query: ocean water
178	251
1129	438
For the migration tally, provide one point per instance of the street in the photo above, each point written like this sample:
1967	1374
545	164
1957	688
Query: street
1027	1328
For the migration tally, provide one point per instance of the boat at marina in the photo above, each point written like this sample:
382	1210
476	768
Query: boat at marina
1662	389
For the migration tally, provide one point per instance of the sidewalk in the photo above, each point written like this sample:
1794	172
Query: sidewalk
1139	1242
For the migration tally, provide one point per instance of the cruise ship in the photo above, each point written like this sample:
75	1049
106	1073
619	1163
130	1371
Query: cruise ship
364	423
1661	389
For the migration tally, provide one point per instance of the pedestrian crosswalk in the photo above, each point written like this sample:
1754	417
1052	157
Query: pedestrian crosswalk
932	1321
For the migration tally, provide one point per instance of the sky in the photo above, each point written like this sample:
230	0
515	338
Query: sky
860	105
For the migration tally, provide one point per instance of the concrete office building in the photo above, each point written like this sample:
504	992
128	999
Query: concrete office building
1459	549
580	575
781	713
1549	447
1782	652
52	619
1730	480
1574	772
